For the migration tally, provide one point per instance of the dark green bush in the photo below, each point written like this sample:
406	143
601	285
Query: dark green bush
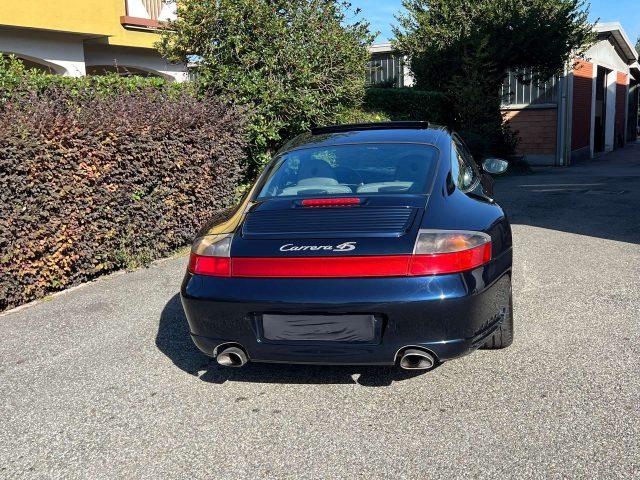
92	183
487	136
406	104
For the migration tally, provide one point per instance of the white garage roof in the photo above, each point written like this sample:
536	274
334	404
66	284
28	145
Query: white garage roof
619	38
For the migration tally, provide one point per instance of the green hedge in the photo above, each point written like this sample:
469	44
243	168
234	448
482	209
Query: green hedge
407	104
94	183
16	79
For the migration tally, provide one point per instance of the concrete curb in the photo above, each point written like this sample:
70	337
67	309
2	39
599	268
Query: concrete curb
102	278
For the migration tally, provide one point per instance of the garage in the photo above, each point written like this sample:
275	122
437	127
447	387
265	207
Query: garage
591	110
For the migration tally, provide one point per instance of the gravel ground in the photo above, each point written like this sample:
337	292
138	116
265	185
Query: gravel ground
103	381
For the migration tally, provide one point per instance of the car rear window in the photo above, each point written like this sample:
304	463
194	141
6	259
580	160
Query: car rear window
367	169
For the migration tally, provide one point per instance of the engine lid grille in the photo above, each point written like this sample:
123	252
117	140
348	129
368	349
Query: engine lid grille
329	222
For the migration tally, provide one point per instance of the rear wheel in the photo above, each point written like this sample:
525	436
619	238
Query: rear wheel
503	336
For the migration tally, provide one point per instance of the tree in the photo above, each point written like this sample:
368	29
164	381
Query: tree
464	49
295	63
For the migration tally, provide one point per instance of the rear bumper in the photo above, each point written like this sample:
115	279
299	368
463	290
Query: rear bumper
450	315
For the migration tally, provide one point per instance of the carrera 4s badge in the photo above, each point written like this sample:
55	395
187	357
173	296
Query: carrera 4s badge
343	247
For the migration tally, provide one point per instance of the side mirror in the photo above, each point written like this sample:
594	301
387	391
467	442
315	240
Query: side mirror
495	166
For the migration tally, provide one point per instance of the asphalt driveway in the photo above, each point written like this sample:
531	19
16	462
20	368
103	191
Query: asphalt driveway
103	381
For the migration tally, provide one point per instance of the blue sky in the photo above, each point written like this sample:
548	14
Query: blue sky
381	14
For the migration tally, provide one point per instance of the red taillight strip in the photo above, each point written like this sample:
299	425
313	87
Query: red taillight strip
330	202
321	267
342	267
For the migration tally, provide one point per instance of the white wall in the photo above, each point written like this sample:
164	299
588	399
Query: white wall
68	55
63	53
609	136
148	60
603	53
406	71
594	86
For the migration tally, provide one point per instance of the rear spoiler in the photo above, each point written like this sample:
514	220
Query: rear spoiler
353	127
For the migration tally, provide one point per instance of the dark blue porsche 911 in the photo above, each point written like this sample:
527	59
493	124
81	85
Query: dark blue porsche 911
359	244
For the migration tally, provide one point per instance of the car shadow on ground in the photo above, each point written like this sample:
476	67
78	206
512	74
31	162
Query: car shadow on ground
174	341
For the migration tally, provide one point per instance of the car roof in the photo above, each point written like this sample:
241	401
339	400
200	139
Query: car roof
384	132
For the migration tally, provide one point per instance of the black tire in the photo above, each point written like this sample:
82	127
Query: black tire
503	336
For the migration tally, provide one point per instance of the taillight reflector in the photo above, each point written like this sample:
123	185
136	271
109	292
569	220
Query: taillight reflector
213	266
455	262
330	202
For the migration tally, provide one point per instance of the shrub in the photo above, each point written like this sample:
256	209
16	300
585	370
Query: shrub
406	104
90	184
486	137
17	80
296	63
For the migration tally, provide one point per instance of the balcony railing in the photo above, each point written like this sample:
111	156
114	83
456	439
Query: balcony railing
148	13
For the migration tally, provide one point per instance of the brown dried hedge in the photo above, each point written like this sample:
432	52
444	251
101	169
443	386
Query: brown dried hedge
94	183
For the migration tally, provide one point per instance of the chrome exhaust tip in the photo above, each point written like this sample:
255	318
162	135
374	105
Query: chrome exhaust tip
231	357
415	359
